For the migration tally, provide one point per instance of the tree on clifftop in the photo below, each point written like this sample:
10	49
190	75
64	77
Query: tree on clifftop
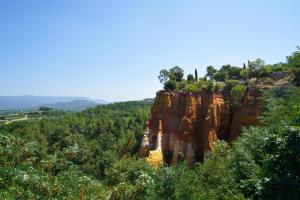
196	75
294	59
176	73
210	71
163	76
190	78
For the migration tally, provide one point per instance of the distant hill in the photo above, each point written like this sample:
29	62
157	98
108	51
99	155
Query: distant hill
18	103
77	105
150	100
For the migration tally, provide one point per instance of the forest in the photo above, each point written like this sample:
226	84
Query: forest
93	154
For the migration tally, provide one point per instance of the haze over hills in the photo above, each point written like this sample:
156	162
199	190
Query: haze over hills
29	102
76	105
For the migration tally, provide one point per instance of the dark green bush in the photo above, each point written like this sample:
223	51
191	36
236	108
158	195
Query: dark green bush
190	78
170	85
265	71
237	95
180	86
211	85
297	78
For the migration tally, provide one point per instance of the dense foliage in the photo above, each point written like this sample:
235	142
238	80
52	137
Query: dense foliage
228	75
52	158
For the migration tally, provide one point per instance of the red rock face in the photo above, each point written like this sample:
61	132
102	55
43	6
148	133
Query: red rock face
183	126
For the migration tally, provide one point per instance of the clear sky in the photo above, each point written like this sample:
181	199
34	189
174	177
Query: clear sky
114	50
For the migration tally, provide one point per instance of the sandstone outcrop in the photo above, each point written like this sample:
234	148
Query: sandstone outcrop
183	126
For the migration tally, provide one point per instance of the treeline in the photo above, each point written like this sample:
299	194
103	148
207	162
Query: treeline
228	75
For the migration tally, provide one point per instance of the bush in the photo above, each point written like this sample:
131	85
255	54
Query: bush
229	84
265	71
234	72
237	95
294	60
170	85
202	83
297	78
277	68
210	85
255	66
180	86
190	78
192	87
245	73
219	86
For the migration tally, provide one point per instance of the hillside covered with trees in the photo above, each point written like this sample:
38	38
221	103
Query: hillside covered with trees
92	154
255	72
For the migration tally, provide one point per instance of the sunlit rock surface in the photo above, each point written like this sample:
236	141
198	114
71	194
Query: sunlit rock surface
183	126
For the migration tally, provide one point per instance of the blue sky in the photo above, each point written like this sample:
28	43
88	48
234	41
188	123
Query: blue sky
114	50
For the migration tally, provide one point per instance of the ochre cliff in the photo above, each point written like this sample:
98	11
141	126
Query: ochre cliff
183	126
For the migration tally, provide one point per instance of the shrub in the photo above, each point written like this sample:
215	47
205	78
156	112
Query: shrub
264	71
229	84
234	72
170	85
297	78
180	86
192	87
237	95
255	66
210	85
190	78
202	83
277	68
294	59
219	86
245	73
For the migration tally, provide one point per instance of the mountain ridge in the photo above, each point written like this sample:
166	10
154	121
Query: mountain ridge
28	102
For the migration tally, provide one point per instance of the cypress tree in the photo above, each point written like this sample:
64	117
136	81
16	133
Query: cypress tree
196	75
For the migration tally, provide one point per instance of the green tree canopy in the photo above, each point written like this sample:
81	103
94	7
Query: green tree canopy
210	71
176	73
164	76
190	78
294	59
